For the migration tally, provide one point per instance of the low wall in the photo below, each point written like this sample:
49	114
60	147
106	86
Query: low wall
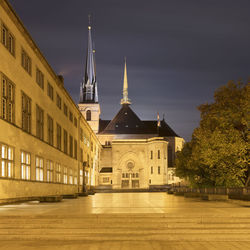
17	189
232	193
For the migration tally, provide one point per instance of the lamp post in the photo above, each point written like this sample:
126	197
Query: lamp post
84	188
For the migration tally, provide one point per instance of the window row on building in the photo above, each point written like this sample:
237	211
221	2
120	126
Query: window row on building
130	175
158	170
8	114
8	40
45	170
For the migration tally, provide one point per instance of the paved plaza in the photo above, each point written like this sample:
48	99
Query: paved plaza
126	221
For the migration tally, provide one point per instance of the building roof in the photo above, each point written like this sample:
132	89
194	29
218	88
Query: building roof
127	122
106	170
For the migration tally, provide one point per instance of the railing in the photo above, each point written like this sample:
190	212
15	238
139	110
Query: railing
214	190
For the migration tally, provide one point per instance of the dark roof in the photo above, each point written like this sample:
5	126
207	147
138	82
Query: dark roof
106	170
127	122
103	124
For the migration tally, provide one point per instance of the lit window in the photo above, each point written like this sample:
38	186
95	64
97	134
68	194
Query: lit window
70	176
7	161
39	168
25	165
58	172
50	170
65	175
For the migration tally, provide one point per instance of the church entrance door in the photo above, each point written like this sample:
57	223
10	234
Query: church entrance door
135	184
125	183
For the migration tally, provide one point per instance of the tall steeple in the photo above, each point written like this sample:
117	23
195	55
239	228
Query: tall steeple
88	103
125	99
88	87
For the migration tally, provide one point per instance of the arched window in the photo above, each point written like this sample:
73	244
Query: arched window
88	115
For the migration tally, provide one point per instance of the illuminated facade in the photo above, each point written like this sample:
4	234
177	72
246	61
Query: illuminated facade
44	139
135	153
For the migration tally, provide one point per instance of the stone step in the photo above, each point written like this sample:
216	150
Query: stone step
116	219
127	225
175	236
117	231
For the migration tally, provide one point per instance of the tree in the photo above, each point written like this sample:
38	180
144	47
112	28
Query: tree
218	152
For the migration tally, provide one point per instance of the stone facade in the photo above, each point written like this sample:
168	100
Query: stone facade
44	139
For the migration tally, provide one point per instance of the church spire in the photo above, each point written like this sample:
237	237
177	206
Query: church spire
125	99
89	84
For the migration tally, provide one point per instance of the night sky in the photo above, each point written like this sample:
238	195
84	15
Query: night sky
178	52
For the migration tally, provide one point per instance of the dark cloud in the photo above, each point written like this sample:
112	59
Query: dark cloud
178	51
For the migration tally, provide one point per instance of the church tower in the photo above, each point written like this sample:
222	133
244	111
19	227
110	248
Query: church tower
88	103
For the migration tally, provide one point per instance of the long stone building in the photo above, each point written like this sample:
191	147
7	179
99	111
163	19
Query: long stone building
44	139
51	146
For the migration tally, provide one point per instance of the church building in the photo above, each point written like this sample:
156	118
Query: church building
135	153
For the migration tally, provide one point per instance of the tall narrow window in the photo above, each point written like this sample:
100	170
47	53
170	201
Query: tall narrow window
159	170
58	172
70	176
88	115
152	170
50	170
81	176
151	154
58	137
6	161
71	146
75	177
65	175
50	130
7	39
159	154
170	157
75	149
26	113
39	168
65	109
70	116
8	100
58	101
75	122
65	141
50	91
39	122
25	165
26	61
39	78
